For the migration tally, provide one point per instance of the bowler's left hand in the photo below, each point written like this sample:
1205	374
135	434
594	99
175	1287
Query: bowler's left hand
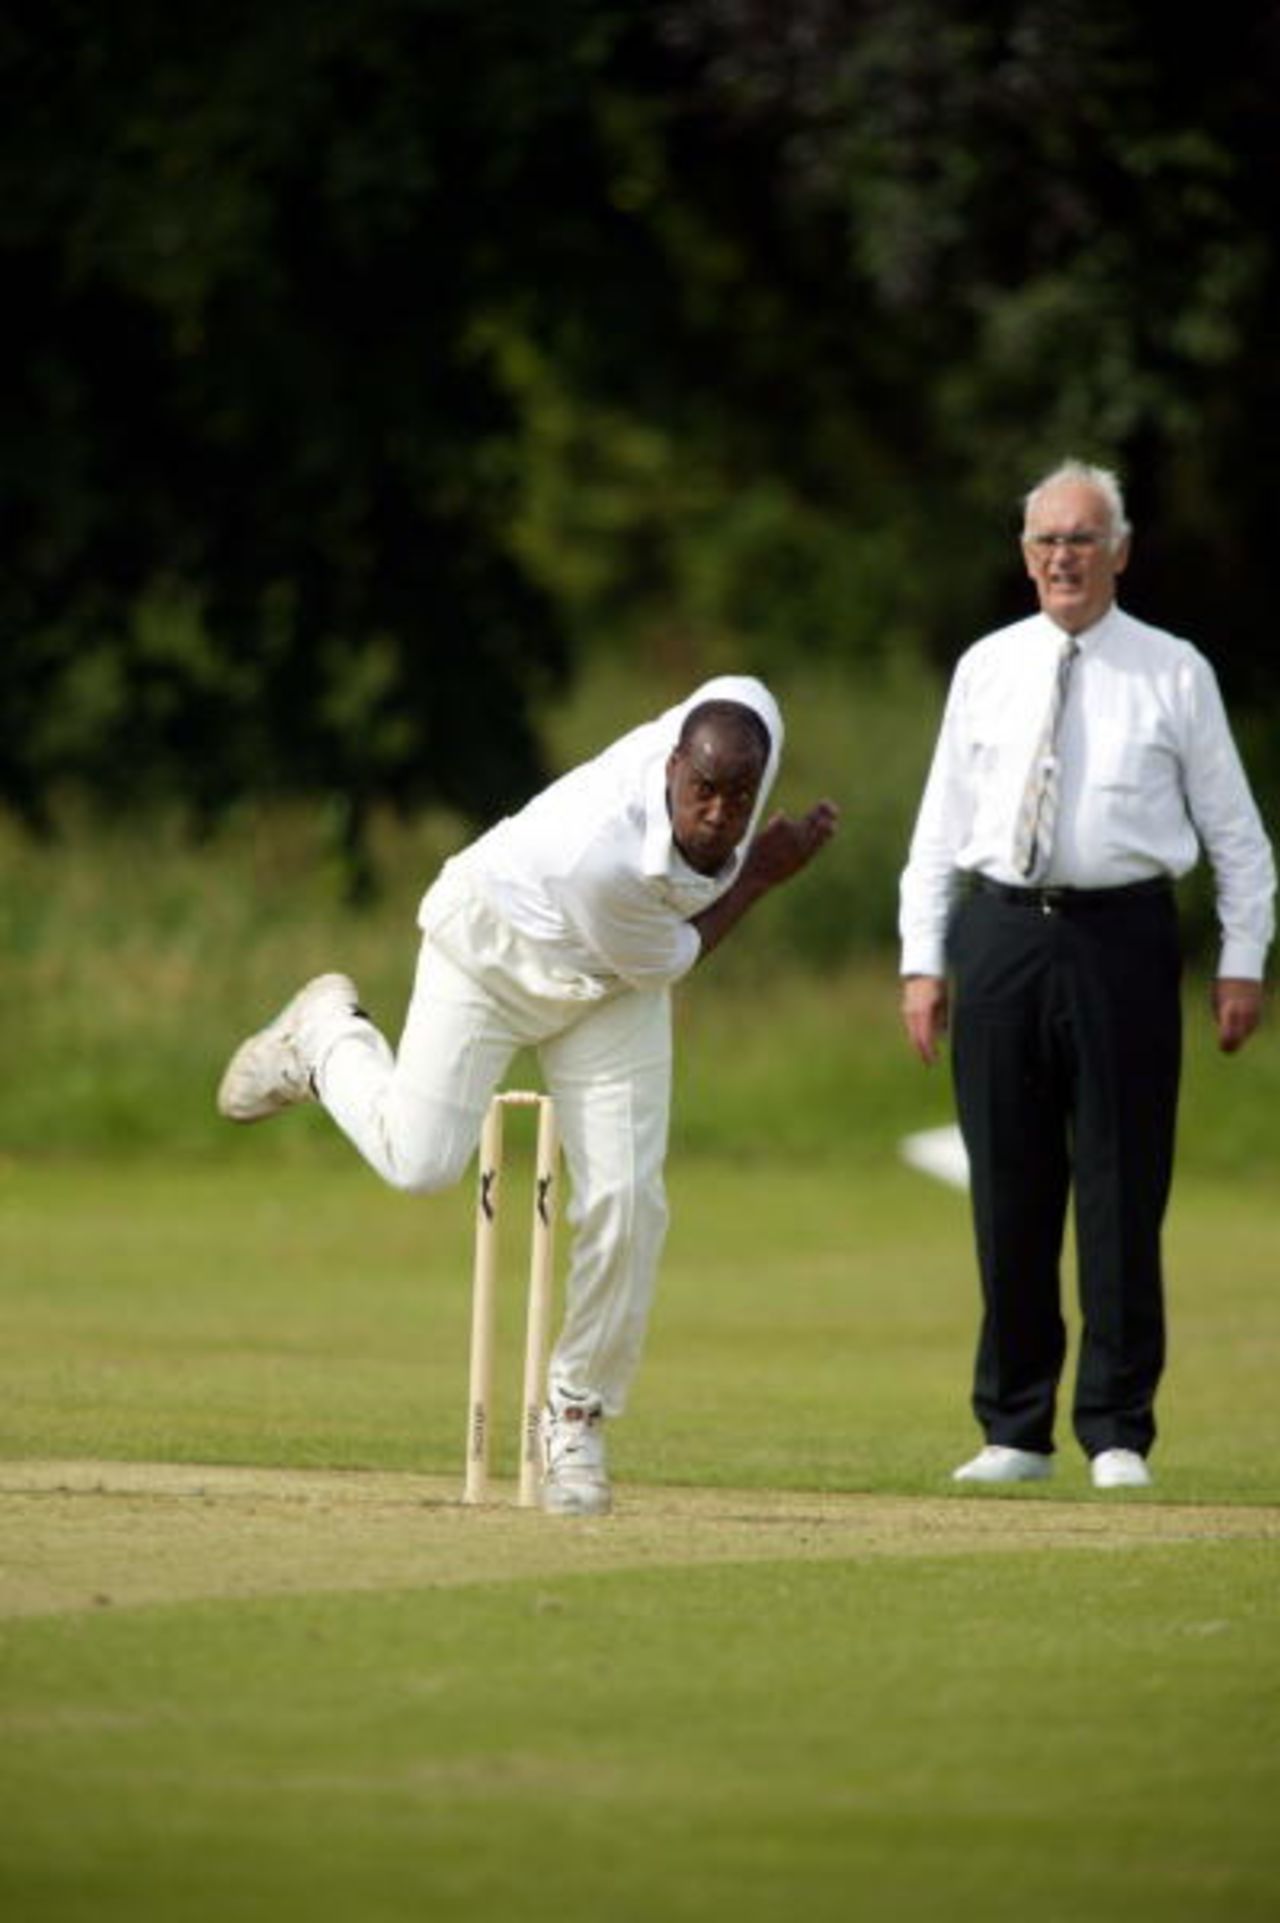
784	846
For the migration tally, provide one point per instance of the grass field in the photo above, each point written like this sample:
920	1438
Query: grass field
257	1661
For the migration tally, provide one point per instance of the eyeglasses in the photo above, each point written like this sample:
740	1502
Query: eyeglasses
1082	542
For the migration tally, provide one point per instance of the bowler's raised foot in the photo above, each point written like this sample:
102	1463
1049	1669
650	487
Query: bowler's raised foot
272	1070
1119	1469
997	1463
575	1479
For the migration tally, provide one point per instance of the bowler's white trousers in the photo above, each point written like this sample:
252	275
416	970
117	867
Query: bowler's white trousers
481	993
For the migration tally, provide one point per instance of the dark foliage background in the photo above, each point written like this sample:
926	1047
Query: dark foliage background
372	364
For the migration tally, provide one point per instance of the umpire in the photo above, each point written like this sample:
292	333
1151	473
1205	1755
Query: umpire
1084	762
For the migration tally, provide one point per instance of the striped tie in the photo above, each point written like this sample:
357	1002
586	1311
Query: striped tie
1038	813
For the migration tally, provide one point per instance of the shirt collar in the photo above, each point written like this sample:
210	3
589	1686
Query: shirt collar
1087	639
659	852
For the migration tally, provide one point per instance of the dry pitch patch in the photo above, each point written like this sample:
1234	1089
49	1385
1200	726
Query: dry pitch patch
83	1535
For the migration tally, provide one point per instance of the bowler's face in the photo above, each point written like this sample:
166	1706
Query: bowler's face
1067	548
711	791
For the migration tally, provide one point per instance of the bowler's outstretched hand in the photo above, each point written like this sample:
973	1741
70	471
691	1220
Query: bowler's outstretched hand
782	848
784	845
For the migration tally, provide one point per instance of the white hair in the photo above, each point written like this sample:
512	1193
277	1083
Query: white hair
1101	479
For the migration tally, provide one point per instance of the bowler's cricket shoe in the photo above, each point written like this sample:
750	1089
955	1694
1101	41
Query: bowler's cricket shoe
996	1463
272	1070
575	1480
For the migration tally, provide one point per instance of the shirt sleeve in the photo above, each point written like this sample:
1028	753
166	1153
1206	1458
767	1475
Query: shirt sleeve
1226	818
942	826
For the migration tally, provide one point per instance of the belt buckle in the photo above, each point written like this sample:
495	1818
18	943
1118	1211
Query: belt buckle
1051	900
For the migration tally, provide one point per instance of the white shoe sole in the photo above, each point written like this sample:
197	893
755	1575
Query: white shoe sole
256	1084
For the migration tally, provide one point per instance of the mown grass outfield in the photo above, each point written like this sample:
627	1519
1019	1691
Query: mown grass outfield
257	1660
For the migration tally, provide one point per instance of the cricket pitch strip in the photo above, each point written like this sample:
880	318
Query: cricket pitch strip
96	1535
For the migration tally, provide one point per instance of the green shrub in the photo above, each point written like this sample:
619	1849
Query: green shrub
132	965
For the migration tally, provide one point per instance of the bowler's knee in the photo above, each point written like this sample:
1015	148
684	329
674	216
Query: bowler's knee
427	1170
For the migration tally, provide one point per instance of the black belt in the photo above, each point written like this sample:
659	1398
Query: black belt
1052	901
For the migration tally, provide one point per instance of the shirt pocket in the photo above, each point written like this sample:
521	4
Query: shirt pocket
1131	766
1125	763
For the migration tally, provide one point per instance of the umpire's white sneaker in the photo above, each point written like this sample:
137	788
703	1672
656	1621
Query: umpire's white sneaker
1119	1469
996	1463
272	1070
575	1480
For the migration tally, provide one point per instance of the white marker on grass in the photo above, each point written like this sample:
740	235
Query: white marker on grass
939	1152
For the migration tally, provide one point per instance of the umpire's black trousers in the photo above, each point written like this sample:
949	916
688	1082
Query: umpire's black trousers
1066	1054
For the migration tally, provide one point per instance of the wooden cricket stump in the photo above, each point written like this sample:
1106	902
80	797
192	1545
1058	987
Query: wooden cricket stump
484	1292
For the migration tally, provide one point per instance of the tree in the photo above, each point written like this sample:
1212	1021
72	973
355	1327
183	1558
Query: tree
246	253
1055	225
378	358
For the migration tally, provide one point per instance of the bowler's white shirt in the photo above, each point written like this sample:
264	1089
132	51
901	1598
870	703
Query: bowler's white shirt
589	871
1150	775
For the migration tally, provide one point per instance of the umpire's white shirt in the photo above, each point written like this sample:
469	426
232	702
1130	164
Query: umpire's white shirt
1150	775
